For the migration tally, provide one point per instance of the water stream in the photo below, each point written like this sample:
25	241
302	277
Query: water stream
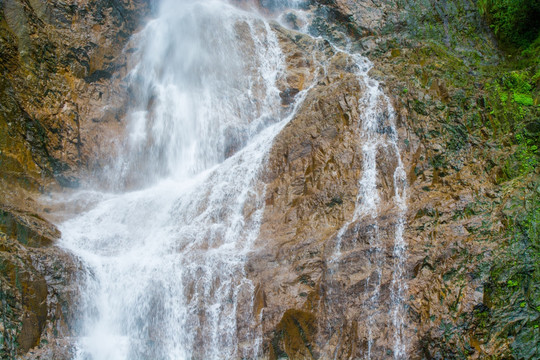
377	130
166	261
165	251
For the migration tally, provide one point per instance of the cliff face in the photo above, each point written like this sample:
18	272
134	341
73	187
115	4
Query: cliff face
471	268
39	288
60	68
60	95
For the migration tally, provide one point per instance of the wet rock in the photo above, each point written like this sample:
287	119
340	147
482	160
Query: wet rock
62	101
60	64
29	229
39	289
294	336
315	307
287	96
316	159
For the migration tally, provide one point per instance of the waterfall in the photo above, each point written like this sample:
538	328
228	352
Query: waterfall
165	250
165	256
378	130
204	85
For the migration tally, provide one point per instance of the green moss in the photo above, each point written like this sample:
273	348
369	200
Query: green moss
512	292
490	113
523	99
515	22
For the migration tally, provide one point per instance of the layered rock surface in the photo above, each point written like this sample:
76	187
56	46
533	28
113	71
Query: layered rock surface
61	64
62	99
315	299
457	219
39	288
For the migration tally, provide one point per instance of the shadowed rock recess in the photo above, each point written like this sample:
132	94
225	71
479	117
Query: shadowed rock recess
393	215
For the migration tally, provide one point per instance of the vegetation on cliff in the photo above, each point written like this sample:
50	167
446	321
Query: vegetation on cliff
487	110
515	22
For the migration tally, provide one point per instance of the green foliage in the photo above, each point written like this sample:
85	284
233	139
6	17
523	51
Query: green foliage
515	22
511	105
512	293
512	283
533	52
525	159
526	154
523	99
491	108
517	81
511	89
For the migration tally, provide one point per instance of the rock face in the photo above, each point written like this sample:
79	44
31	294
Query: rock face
457	210
60	96
315	299
60	66
39	289
62	102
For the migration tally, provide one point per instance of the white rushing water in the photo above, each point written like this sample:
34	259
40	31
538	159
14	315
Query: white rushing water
378	130
165	262
165	253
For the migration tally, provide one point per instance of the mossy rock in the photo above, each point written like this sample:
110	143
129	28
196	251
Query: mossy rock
29	229
294	336
23	300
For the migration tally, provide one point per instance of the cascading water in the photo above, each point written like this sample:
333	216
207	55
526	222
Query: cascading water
165	260
205	84
378	130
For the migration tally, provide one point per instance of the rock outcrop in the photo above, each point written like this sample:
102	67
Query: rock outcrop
39	288
61	65
472	252
459	206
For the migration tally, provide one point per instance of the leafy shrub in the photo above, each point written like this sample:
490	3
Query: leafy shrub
515	22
